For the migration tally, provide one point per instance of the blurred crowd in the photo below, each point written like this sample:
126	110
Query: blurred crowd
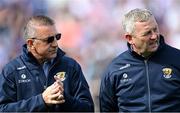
91	29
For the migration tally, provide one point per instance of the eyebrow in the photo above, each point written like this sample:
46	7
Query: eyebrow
148	31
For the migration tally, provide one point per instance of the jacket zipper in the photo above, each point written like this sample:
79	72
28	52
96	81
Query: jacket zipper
52	67
148	85
47	80
48	73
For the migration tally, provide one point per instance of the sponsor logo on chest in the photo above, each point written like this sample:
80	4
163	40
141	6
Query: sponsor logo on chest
23	79
125	78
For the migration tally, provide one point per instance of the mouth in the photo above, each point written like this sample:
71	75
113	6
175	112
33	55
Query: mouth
154	44
53	51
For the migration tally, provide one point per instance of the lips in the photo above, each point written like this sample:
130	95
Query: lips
154	43
53	50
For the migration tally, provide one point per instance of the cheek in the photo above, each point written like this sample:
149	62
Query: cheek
139	43
142	45
46	50
43	49
143	42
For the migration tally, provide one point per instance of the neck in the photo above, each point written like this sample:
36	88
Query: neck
41	61
146	55
37	56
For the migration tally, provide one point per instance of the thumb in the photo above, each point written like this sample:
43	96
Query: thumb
58	80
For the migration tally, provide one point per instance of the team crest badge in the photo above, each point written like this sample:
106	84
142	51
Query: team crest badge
61	75
167	72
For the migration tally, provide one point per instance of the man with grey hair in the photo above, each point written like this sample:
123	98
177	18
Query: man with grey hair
42	78
146	77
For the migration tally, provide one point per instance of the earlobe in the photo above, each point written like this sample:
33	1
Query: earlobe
129	38
29	43
32	47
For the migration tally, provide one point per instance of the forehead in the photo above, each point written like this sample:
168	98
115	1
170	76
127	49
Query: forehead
147	25
43	31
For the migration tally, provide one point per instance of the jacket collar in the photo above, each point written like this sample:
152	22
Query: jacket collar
30	58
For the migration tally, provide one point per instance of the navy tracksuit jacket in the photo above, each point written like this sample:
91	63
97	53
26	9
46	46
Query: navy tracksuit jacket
134	84
22	82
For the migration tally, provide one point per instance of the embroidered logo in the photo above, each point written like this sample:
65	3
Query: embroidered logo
125	75
125	66
167	72
24	79
20	68
125	78
61	75
23	76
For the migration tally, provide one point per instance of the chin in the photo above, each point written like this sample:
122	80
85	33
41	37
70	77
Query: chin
153	50
53	55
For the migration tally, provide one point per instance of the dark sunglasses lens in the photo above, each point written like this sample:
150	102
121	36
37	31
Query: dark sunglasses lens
58	36
50	39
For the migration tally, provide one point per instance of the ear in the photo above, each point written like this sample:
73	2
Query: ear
129	38
29	43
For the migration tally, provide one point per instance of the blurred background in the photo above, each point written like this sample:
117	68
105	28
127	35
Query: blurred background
91	29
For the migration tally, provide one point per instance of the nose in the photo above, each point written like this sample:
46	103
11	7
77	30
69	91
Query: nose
154	35
54	43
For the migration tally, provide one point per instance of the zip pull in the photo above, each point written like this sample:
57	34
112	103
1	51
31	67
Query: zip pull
45	86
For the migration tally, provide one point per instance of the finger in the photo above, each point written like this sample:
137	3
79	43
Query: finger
54	90
60	97
56	77
61	88
58	80
51	90
58	88
55	96
57	101
56	84
53	86
59	84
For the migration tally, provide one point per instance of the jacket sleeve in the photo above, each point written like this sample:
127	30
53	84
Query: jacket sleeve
81	100
107	100
9	102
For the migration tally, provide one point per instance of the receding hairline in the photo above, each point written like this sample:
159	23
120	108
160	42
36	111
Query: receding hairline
40	20
34	22
135	15
139	15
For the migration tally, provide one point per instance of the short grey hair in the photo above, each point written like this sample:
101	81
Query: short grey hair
135	15
40	20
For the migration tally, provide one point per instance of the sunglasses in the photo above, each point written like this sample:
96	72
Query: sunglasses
50	39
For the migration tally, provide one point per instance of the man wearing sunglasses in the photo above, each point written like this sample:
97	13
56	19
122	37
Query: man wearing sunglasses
42	78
